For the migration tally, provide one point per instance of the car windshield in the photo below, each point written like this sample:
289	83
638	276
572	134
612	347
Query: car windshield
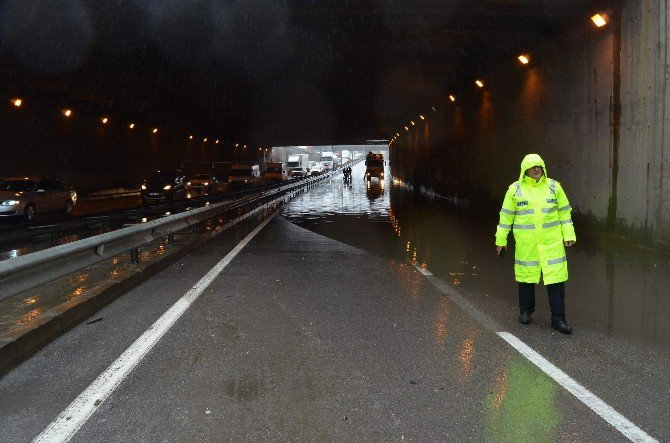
293	164
375	162
240	172
161	177
203	177
17	185
275	169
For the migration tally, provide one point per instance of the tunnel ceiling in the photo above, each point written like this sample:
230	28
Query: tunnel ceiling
270	72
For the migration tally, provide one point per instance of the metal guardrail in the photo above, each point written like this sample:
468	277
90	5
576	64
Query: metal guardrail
32	270
110	196
54	230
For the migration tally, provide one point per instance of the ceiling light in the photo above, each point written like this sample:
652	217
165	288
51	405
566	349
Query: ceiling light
422	117
599	20
17	102
131	126
104	120
67	112
524	59
452	98
155	130
479	83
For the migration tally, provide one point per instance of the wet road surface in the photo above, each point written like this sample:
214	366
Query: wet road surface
614	288
303	337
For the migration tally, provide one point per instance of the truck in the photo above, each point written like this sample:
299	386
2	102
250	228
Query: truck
276	172
327	161
346	157
219	170
244	175
374	166
298	164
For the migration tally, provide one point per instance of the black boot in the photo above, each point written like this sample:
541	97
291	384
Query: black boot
561	326
524	318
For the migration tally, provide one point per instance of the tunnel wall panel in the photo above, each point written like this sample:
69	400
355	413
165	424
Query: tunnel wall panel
564	107
37	140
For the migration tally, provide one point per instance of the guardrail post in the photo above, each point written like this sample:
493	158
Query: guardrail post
53	237
135	256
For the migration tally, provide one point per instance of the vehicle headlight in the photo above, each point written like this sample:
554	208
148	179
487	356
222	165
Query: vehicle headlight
167	187
10	202
144	187
206	184
188	183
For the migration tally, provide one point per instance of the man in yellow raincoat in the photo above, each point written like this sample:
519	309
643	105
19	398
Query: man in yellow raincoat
537	210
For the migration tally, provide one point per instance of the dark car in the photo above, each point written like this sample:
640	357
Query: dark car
26	196
163	185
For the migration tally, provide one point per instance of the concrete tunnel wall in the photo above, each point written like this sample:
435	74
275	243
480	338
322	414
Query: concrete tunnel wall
37	140
593	103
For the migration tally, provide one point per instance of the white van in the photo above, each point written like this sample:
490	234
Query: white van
244	175
276	172
327	161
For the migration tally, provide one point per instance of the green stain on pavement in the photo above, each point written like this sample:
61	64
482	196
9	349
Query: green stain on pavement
521	405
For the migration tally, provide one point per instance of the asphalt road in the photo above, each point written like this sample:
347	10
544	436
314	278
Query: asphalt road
304	338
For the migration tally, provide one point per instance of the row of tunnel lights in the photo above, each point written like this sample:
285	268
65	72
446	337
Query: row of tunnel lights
68	113
598	20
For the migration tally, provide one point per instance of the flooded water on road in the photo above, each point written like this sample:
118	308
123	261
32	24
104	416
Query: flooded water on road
613	287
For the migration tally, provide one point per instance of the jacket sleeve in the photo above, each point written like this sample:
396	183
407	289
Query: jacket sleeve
564	214
507	213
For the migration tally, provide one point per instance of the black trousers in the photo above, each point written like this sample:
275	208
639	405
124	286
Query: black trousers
556	293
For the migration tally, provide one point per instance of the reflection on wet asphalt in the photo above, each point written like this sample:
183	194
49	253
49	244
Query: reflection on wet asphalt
613	287
19	310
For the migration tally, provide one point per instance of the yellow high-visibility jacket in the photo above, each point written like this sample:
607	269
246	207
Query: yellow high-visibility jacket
539	215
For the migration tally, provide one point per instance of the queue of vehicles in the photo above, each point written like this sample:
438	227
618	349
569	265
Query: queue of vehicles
25	197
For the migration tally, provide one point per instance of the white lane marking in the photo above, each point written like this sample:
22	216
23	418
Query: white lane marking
74	416
621	423
423	271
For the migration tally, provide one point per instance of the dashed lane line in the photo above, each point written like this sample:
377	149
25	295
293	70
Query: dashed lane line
66	425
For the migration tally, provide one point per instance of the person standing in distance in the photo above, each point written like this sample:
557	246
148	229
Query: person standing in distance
537	210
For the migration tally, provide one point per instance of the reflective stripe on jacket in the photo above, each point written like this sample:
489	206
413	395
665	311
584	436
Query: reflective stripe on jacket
538	213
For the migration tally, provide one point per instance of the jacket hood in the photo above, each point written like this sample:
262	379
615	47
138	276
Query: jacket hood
528	162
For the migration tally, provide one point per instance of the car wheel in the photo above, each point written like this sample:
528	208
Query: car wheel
68	207
29	213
